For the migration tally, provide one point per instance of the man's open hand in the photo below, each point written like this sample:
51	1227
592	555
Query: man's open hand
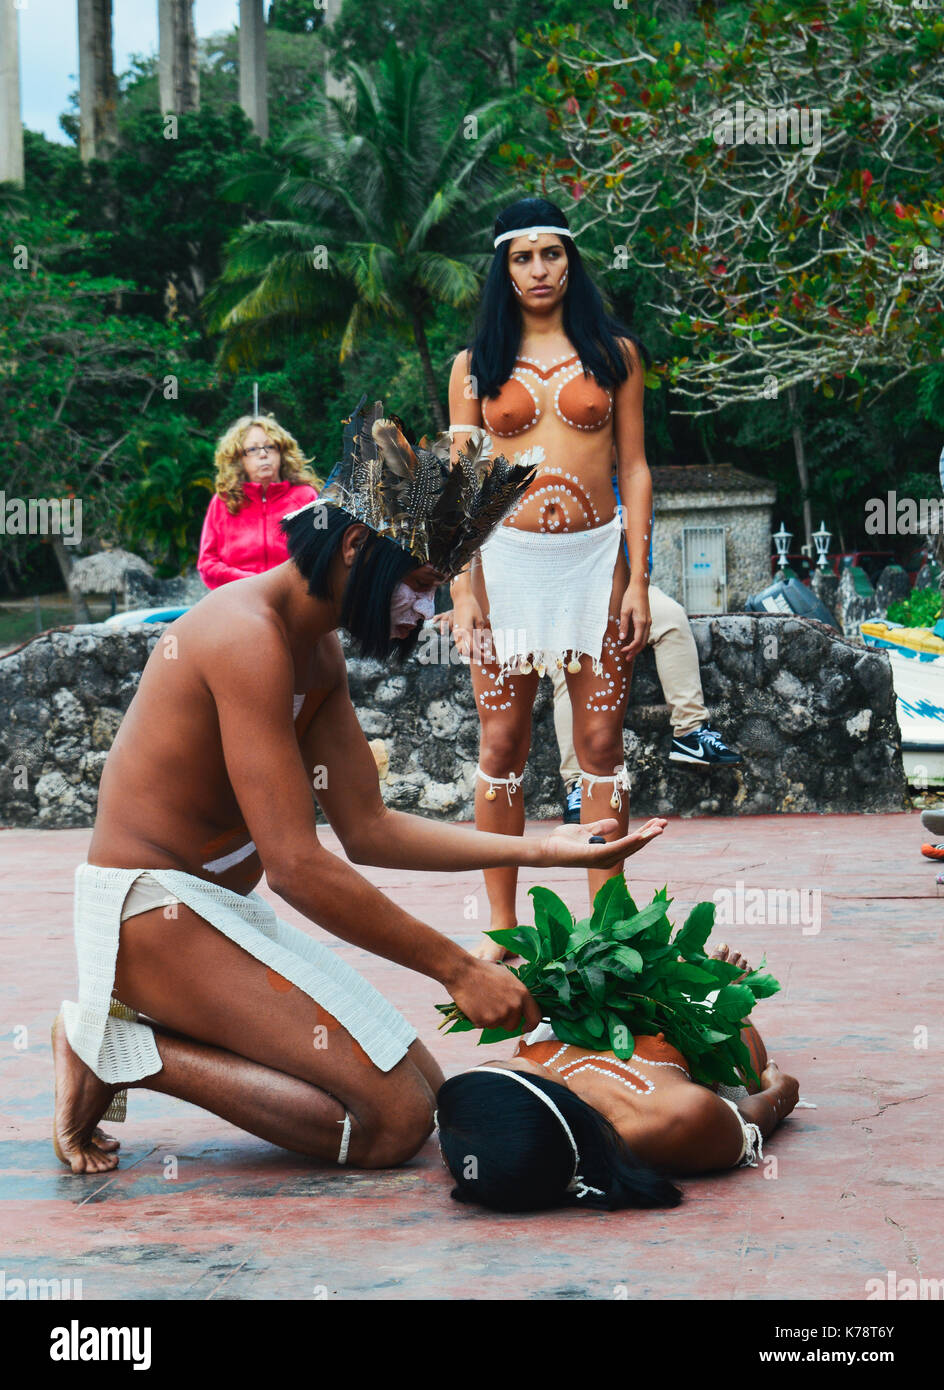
567	846
491	997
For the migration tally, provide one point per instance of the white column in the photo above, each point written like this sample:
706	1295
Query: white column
166	81
11	125
253	77
178	73
334	87
98	89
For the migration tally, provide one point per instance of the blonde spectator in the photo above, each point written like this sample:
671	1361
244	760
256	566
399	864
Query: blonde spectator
261	474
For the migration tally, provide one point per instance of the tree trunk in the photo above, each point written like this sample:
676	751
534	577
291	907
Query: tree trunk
179	76
334	86
11	124
253	91
703	436
79	607
429	378
98	88
799	451
185	58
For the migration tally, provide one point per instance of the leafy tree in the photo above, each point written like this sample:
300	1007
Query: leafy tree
794	258
166	501
475	47
157	203
295	16
787	260
76	380
377	211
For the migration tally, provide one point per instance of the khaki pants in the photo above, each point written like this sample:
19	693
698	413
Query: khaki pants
677	665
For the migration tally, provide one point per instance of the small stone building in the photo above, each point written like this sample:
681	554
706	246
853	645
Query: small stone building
711	540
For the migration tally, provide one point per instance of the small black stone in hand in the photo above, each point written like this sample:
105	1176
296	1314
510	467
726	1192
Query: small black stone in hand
598	839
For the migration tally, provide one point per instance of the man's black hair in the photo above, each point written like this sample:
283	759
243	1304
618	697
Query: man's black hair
314	536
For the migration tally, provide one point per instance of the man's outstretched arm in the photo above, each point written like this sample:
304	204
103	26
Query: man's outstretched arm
250	675
349	793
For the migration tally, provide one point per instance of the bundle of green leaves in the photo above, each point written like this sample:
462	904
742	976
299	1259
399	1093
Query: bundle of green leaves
620	972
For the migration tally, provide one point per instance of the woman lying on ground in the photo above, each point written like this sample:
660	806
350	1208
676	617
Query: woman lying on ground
562	1125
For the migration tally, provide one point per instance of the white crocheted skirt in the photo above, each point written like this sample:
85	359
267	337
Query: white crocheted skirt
109	1038
549	595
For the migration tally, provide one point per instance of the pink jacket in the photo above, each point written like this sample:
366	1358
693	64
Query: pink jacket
232	547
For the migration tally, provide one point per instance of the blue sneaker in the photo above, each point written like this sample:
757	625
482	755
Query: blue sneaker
572	803
704	746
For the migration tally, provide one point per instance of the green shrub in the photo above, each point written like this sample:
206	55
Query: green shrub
922	609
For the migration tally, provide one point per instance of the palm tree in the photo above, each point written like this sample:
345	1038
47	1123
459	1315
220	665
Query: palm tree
379	208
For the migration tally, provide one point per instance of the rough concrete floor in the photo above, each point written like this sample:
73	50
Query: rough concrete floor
854	1192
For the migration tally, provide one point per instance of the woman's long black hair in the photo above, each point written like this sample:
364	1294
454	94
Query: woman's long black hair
508	1150
314	536
497	334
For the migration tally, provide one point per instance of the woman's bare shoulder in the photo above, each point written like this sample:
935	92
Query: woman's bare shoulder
703	1132
461	364
631	353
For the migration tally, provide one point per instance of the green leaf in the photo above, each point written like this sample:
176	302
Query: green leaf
621	1039
611	904
734	1002
553	920
713	1035
461	1025
563	988
721	970
594	982
524	940
761	984
642	920
629	957
696	931
494	1035
573	1033
742	1058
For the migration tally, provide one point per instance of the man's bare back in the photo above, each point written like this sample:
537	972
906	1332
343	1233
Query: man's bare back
166	799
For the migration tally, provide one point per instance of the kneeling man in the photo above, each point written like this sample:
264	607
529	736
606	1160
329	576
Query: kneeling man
188	982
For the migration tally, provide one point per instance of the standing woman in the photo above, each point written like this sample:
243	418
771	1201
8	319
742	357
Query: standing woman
261	476
551	370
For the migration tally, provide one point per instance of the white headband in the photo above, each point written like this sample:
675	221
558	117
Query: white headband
297	512
531	233
576	1183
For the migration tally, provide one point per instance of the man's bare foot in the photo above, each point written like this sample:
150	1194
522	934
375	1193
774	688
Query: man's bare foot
724	952
81	1100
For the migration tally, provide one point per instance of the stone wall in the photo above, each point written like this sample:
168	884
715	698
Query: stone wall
812	713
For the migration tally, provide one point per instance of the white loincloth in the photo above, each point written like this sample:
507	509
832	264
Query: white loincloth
117	1048
549	595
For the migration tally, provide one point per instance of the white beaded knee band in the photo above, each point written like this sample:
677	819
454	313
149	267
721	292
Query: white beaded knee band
511	783
345	1138
619	777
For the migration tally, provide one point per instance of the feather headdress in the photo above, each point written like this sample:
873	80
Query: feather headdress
438	511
